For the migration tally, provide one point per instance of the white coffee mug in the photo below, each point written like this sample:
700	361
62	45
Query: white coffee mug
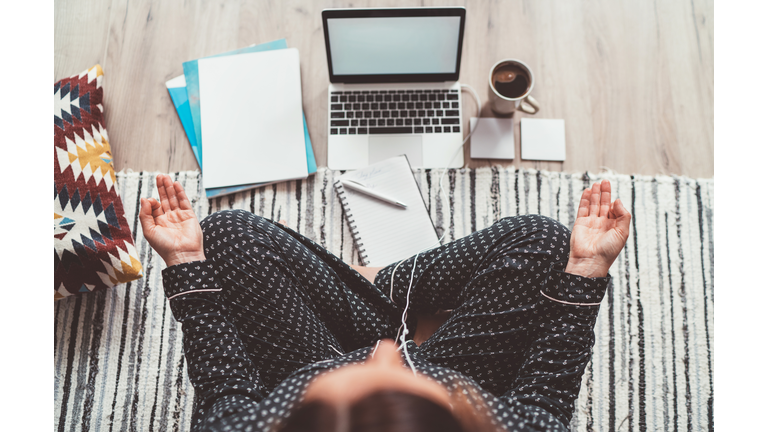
523	101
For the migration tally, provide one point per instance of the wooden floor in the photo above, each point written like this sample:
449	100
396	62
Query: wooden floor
634	80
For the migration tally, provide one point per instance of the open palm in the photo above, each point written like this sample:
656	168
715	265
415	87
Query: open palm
599	233
170	226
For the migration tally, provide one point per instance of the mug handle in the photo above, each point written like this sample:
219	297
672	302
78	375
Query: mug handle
529	105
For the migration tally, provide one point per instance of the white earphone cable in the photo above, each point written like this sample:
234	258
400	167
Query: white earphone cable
441	190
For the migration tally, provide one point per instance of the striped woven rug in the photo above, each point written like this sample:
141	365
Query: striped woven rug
118	360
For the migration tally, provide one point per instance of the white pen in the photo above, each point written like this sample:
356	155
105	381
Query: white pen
355	185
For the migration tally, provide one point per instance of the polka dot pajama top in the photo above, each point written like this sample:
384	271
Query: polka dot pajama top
269	310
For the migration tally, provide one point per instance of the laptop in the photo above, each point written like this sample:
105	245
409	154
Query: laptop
394	86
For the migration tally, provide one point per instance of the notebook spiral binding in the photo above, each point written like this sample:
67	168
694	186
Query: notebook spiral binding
352	227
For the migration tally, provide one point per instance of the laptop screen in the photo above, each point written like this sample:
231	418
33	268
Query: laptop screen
393	45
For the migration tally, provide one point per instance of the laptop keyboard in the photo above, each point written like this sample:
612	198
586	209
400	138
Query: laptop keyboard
364	112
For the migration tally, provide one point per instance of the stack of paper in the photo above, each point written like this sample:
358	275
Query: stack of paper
246	106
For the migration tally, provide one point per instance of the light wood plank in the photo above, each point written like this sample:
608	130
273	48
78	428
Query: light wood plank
79	35
633	80
149	41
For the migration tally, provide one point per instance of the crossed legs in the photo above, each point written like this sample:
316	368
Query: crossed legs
295	303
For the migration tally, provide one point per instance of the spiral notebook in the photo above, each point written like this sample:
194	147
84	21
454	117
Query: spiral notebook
385	233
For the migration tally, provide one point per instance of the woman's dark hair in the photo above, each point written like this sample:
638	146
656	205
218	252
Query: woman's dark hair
384	411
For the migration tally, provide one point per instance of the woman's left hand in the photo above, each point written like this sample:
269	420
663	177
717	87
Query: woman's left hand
599	233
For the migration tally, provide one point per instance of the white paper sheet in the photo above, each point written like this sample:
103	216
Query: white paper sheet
494	138
251	118
542	139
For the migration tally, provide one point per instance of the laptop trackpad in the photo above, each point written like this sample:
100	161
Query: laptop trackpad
382	147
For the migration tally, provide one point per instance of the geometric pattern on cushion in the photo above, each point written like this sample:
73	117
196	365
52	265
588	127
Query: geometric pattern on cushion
92	242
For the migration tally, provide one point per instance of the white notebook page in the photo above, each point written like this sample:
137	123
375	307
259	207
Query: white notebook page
388	233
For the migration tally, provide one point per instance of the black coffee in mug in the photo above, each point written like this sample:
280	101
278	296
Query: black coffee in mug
511	81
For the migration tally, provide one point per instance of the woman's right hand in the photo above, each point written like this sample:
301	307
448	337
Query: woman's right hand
170	226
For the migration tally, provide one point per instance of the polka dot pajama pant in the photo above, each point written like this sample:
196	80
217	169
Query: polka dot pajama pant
294	303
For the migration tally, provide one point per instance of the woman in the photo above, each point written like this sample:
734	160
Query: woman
279	334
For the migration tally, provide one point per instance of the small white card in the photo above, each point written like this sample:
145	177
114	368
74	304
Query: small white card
542	139
494	138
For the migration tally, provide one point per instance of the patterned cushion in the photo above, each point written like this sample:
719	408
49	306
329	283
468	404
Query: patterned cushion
92	242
